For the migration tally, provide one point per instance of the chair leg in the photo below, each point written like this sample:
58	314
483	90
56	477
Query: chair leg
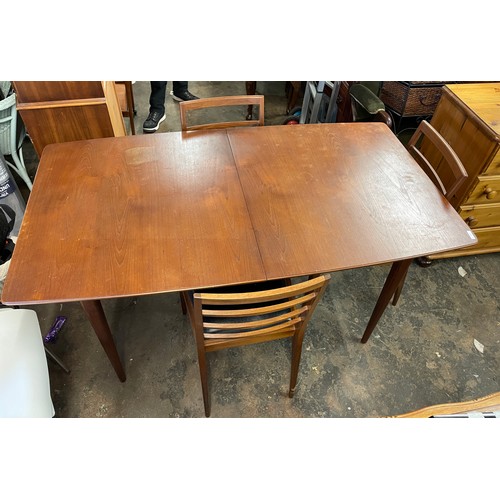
296	354
130	105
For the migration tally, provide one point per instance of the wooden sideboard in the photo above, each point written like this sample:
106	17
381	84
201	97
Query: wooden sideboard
57	111
468	117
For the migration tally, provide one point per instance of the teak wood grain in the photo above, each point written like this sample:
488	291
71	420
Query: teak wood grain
131	216
145	214
328	197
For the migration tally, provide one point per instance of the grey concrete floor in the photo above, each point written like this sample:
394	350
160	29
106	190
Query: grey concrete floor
421	353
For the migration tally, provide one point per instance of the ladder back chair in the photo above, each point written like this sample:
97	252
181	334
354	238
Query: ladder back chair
221	319
441	164
217	102
444	169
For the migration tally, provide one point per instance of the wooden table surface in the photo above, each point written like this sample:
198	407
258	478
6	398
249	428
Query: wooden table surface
326	198
148	214
131	216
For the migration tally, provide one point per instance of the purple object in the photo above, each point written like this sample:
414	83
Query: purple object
54	330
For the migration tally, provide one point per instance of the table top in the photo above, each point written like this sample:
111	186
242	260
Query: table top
133	215
326	198
156	213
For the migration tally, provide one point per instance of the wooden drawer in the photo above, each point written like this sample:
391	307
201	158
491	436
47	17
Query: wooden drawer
486	190
484	215
488	238
494	166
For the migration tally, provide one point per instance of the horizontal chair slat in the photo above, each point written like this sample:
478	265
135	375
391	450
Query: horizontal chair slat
254	311
253	333
265	296
224	125
257	323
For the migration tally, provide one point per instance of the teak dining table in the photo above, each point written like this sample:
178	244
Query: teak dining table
146	214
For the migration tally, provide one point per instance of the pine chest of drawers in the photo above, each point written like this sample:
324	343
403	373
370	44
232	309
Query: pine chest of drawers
468	117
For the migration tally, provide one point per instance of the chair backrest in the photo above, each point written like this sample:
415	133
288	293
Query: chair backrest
230	319
217	102
443	166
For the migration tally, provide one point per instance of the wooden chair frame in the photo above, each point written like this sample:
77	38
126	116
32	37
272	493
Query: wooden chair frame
425	129
458	173
223	320
215	102
125	95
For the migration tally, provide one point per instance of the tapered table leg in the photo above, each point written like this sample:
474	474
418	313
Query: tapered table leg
95	313
396	274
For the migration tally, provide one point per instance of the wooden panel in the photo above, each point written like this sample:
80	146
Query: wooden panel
477	216
482	99
114	109
29	92
131	216
63	124
69	111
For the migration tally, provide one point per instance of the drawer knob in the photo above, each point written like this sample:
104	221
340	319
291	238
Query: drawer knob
471	221
490	193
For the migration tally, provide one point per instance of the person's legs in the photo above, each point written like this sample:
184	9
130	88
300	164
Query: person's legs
180	92
179	87
157	97
156	107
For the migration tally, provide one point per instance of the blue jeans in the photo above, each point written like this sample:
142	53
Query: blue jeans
158	91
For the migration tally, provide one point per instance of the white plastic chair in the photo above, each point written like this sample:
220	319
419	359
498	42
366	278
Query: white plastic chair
11	139
24	375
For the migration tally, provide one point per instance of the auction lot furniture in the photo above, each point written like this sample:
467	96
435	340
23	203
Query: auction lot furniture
468	117
221	207
187	108
69	111
249	314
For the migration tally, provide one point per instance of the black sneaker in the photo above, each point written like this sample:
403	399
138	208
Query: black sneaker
183	96
153	122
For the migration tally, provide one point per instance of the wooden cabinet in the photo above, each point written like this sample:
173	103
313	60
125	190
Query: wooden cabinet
468	117
69	111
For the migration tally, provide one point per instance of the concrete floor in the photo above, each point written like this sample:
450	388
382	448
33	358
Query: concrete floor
421	353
